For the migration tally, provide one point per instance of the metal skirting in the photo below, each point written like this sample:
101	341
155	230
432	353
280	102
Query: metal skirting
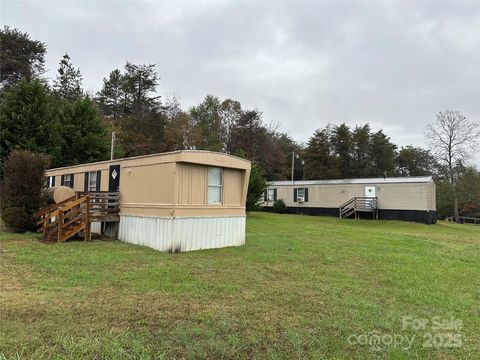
182	234
96	227
420	216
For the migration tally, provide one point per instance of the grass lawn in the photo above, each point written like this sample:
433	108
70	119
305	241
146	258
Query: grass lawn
302	287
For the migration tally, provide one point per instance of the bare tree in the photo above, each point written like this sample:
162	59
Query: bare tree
453	139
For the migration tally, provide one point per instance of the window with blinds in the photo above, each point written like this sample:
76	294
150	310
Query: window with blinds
67	180
92	181
215	185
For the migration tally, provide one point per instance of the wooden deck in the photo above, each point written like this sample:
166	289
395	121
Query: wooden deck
59	222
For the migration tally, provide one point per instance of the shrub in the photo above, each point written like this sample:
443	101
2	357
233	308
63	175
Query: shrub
279	207
23	189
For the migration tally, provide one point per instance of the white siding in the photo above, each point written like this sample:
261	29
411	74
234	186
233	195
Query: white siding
183	234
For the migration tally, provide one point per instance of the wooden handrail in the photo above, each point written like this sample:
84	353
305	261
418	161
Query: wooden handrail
358	203
53	206
66	218
348	202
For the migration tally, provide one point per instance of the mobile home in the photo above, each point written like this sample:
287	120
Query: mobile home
177	201
397	198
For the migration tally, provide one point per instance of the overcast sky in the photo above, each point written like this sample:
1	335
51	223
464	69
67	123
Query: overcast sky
303	64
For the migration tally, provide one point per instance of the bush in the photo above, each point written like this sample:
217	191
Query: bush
23	189
279	207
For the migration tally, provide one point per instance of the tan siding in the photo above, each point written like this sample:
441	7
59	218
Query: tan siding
104	180
155	210
79	182
233	187
148	184
407	196
191	184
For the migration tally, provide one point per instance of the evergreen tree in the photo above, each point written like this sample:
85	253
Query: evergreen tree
361	145
84	135
207	124
256	187
28	121
342	146
382	155
318	156
68	84
112	99
140	85
20	57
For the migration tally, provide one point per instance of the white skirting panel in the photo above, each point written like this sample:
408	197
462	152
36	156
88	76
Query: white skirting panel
96	227
182	234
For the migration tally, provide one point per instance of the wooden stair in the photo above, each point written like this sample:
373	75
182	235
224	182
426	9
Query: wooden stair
59	222
357	205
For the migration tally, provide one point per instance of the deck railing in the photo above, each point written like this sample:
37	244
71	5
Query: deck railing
358	204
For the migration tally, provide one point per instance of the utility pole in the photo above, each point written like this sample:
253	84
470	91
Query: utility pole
293	165
112	148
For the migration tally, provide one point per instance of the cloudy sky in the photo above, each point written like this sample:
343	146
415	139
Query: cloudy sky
303	64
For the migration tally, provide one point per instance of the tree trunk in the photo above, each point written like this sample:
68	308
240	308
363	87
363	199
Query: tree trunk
453	183
455	203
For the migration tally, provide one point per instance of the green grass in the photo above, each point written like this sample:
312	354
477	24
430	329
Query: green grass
298	289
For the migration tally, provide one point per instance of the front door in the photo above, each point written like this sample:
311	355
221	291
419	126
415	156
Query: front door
114	178
370	191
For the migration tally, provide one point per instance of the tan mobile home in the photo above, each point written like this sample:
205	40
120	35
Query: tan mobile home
177	201
399	198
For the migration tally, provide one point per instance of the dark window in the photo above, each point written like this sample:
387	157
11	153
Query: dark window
300	195
272	195
67	180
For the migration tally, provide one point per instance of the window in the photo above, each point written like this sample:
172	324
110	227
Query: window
51	181
300	195
215	185
271	195
92	181
68	180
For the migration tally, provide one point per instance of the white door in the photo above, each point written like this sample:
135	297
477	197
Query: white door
370	191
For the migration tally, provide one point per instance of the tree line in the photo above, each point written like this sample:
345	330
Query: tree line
72	126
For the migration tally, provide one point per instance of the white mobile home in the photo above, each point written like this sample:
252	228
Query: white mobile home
398	198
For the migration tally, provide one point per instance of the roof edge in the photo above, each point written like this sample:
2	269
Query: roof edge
148	156
391	180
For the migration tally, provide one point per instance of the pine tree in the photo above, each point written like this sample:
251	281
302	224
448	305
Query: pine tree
361	153
318	156
84	134
20	58
68	84
28	121
140	85
256	187
382	155
112	99
341	140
